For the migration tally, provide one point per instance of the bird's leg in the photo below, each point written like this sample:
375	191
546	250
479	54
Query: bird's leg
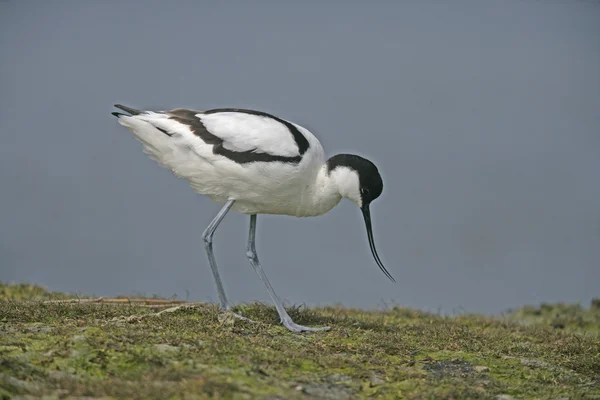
286	320
207	237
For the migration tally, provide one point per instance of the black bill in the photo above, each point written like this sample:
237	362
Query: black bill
367	215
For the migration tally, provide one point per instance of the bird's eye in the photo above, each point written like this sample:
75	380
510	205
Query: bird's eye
364	190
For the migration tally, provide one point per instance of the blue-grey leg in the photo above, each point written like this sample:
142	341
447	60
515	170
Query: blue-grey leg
207	237
286	320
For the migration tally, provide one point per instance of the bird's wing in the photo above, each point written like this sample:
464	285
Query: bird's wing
240	135
248	132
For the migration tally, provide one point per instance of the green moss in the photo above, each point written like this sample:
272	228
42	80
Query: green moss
96	349
570	317
26	291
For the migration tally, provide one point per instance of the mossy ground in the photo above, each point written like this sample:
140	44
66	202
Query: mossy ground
104	349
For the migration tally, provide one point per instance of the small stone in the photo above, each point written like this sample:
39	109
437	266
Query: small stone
505	397
165	348
39	328
62	375
338	378
78	338
134	318
535	363
324	391
375	380
481	368
299	388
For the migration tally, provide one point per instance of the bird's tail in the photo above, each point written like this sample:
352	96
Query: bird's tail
131	111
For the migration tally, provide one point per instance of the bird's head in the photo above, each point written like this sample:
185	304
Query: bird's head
359	180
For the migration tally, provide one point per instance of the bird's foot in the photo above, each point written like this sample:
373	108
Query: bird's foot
294	327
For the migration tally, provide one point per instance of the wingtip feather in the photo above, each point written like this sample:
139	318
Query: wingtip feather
130	110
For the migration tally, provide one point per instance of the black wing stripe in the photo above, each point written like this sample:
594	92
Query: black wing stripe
189	118
163	131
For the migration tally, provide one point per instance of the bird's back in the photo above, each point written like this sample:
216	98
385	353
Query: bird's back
263	162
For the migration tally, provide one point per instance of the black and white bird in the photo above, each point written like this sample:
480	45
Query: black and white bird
254	163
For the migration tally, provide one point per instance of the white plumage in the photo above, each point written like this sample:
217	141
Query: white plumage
260	187
254	163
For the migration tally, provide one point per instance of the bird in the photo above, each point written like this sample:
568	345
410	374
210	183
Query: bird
254	162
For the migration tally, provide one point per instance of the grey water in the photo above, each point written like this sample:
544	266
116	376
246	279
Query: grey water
483	118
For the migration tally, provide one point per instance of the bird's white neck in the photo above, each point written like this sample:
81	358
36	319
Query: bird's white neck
328	188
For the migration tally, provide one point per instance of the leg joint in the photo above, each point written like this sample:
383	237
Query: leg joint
251	254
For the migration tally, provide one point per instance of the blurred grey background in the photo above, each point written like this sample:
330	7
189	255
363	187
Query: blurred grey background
482	116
